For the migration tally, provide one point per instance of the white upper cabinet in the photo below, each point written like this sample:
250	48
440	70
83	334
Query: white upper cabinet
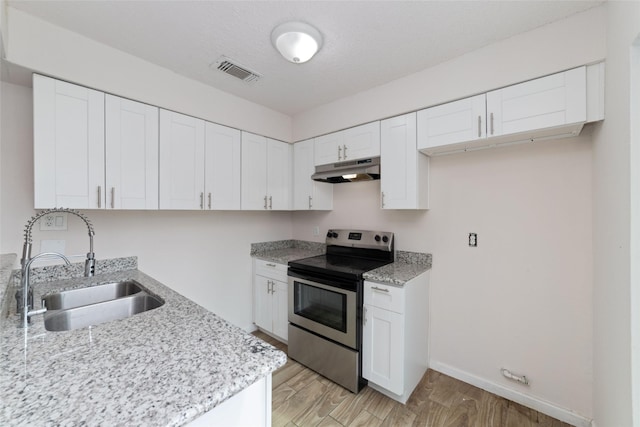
546	102
131	154
362	141
68	145
307	193
548	107
404	174
279	174
266	173
458	121
181	161
328	148
350	144
222	167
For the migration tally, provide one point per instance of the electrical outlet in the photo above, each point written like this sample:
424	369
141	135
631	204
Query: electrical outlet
316	231
473	240
54	221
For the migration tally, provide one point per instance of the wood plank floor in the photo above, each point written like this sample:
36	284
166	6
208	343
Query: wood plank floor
302	398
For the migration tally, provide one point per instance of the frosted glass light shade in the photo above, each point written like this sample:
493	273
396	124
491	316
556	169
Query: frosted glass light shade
297	42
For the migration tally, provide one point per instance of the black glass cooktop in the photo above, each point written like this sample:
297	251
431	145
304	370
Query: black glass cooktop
339	265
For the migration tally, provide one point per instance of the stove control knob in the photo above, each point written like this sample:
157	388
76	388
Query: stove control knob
385	239
329	234
334	235
377	237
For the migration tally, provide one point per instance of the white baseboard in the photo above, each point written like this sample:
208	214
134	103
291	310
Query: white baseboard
539	405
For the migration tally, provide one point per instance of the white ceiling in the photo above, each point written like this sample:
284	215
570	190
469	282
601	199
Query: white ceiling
366	43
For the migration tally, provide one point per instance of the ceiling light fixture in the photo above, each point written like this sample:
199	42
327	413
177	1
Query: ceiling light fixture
297	42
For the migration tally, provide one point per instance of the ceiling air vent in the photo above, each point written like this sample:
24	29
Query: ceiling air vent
236	70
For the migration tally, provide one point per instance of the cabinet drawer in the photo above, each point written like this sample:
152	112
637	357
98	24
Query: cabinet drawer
383	296
271	270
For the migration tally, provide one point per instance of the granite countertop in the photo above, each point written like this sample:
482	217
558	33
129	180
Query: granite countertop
283	251
407	265
166	366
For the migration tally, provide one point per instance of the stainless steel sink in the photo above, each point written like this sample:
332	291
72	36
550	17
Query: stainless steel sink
91	295
102	312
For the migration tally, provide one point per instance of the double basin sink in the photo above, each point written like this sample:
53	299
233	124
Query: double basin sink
79	308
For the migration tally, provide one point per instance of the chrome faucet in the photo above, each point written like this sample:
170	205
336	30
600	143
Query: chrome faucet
25	301
27	292
90	262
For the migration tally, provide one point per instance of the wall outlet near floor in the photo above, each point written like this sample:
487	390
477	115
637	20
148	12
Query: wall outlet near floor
473	240
54	221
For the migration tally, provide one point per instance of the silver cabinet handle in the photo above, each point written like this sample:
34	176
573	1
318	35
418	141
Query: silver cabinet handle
113	197
310	202
491	123
209	200
344	152
201	200
99	196
365	315
271	283
270	265
375	288
270	202
382	195
265	202
479	125
339	153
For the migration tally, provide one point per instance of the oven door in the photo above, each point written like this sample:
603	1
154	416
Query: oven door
324	309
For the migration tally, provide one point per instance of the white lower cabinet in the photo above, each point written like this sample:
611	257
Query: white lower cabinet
395	350
270	291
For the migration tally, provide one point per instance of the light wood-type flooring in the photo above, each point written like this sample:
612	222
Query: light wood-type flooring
303	398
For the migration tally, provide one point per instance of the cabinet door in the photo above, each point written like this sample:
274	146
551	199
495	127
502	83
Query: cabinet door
280	309
263	316
362	141
279	174
303	168
307	193
328	148
181	161
222	167
68	145
254	172
451	123
131	154
383	348
546	102
398	157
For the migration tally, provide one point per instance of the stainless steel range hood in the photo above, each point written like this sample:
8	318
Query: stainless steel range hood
349	171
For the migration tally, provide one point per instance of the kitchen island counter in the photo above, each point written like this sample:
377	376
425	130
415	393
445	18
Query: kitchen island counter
164	367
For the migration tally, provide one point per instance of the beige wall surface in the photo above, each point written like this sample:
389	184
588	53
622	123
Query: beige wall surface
611	206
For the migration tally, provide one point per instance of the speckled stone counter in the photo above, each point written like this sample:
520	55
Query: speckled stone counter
283	251
407	266
6	267
163	367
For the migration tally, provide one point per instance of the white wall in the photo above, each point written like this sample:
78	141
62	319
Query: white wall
51	50
203	255
612	310
523	298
